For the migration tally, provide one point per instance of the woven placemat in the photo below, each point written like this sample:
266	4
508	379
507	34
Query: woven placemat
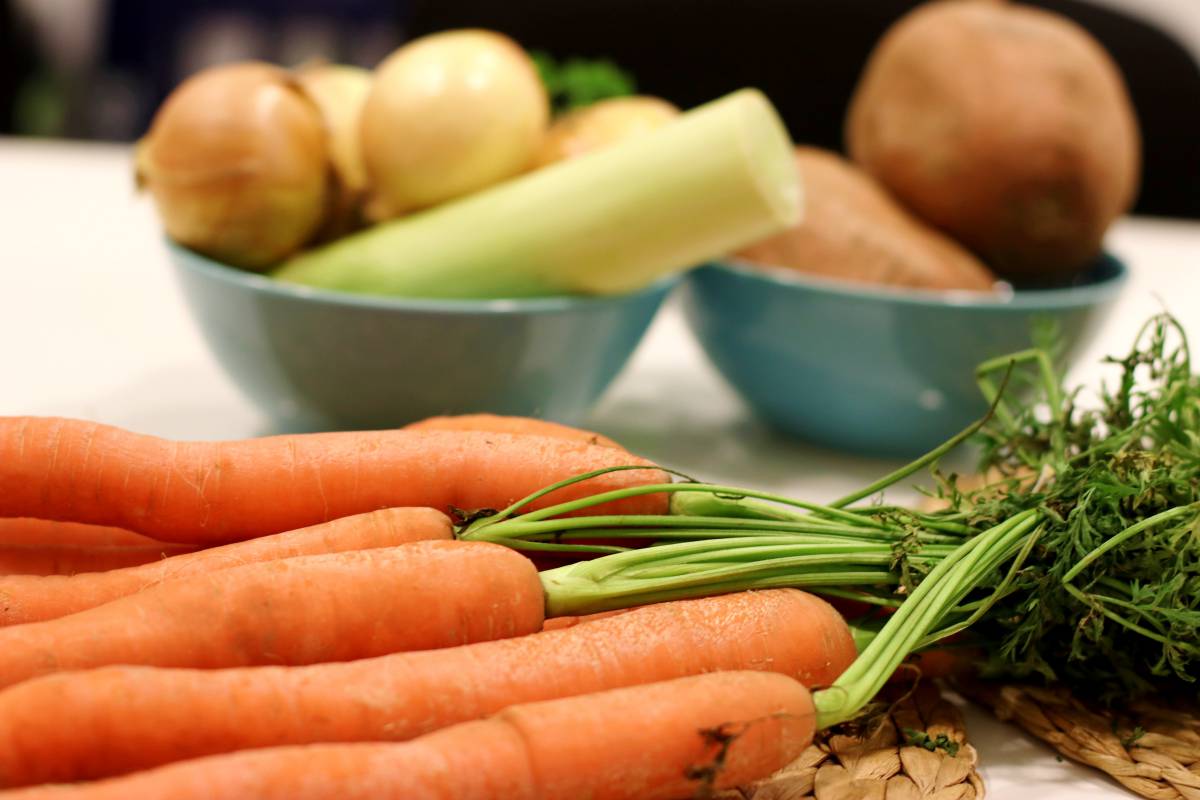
915	748
1150	749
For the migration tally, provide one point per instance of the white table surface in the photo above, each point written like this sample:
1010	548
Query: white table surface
92	326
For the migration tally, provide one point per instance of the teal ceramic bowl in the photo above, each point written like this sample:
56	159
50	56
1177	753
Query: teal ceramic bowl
870	369
314	360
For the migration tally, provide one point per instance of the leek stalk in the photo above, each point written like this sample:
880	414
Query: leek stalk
717	178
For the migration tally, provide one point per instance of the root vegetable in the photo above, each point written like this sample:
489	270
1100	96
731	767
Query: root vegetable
303	610
1006	126
61	560
449	114
35	598
340	91
494	423
219	492
602	124
63	727
854	231
236	162
654	742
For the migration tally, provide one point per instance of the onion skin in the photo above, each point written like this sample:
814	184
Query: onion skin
340	90
602	124
449	114
237	161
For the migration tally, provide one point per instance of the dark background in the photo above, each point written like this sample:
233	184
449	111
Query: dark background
805	54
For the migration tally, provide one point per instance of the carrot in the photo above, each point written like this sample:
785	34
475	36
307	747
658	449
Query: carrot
494	423
659	741
302	610
33	598
940	662
56	560
84	725
557	623
217	492
24	531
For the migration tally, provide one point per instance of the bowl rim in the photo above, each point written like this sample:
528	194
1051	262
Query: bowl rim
262	284
1016	299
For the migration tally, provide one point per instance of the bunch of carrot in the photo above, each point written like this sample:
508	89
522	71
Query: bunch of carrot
302	600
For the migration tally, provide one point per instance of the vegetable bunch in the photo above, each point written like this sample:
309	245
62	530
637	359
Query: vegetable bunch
1077	562
368	653
1108	598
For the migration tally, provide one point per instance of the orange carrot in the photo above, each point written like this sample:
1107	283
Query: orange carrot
659	741
56	560
25	531
93	724
216	492
941	662
557	623
35	598
301	610
494	423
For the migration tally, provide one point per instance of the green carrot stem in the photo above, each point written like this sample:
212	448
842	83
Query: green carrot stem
1098	604
647	526
1131	531
981	607
858	596
940	591
545	490
710	567
913	466
993	393
554	547
686	534
667	488
526	524
863	634
567	600
708	506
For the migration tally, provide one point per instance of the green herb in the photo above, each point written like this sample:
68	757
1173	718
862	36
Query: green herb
1110	599
1137	733
578	82
917	738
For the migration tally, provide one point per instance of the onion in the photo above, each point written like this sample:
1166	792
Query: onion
236	161
602	124
339	91
449	114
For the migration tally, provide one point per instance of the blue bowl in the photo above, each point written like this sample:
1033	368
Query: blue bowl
871	369
314	359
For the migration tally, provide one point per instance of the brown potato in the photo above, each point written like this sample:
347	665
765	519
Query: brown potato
602	124
1006	126
853	230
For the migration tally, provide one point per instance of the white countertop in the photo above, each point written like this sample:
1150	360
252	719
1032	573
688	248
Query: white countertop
92	326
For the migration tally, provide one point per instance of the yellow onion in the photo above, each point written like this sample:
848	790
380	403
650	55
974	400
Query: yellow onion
339	90
447	115
602	124
237	162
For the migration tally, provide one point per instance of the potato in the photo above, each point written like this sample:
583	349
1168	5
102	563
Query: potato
602	124
853	230
1006	126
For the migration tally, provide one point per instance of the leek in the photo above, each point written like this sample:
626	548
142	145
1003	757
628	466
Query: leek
716	179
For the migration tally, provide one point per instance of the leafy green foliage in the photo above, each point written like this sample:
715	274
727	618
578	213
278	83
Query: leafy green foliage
1078	562
578	82
917	738
1108	599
